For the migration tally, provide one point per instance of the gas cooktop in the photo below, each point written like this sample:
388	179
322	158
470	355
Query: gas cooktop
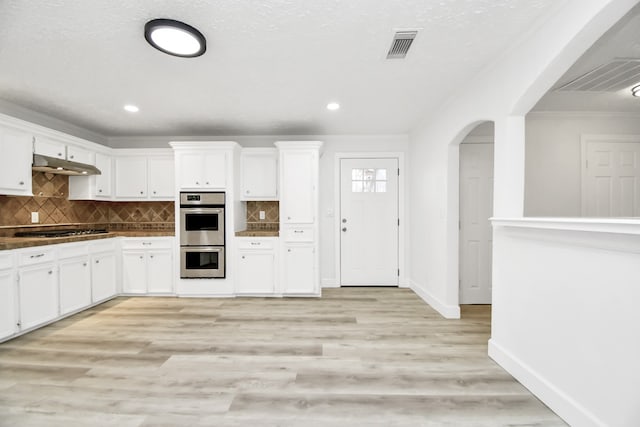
60	233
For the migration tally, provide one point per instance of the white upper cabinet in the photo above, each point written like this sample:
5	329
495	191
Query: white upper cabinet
140	177
203	170
298	186
50	147
131	177
259	174
94	187
161	177
15	162
80	155
102	182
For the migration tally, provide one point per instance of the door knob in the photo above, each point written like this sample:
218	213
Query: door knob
344	220
344	228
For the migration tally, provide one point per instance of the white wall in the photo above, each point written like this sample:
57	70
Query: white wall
553	157
579	353
504	93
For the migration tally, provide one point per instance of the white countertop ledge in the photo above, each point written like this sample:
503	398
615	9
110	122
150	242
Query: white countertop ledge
596	225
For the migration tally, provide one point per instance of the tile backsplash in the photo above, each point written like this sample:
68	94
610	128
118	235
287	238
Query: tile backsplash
272	215
50	201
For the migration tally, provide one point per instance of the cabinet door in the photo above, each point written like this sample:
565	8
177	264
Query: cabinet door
38	295
191	166
131	177
81	155
215	170
134	276
74	284
15	162
298	187
103	276
299	270
161	177
103	181
50	147
255	272
8	315
160	271
259	176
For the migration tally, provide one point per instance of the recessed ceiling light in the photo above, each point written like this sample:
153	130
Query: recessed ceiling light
131	108
333	106
635	91
175	38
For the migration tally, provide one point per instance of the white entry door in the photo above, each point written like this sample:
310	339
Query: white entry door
611	179
476	236
369	222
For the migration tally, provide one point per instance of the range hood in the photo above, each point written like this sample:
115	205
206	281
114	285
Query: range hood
62	167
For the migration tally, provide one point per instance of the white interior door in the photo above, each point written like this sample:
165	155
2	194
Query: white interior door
369	222
476	236
611	174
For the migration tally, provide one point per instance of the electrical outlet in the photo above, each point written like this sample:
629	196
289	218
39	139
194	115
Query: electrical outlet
35	217
262	215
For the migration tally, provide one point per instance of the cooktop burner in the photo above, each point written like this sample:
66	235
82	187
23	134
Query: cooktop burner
60	233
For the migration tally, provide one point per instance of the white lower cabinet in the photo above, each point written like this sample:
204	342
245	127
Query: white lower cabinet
300	270
147	265
38	294
103	276
256	266
8	309
75	283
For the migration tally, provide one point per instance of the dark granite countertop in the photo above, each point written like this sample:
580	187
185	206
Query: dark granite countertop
257	233
27	242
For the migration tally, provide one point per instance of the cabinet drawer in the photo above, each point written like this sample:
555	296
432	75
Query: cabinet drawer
6	261
105	245
148	243
72	250
36	257
255	244
299	234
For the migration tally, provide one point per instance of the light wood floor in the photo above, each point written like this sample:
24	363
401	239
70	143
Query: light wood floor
355	357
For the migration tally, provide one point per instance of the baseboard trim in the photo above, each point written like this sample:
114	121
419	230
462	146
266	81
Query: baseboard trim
447	311
330	283
559	402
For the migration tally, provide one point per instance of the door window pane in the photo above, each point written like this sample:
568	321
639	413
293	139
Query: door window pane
369	180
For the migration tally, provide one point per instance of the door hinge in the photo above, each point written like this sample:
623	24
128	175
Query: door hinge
398	171
398	272
398	222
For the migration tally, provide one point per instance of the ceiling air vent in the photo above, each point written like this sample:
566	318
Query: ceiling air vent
401	43
613	76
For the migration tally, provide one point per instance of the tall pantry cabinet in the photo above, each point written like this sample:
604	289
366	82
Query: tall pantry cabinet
299	218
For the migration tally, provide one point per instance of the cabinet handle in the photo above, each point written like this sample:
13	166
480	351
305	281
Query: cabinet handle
142	192
97	261
150	256
84	264
288	217
288	250
36	256
59	154
21	183
100	190
255	243
154	191
247	191
50	271
298	231
71	156
197	183
141	257
242	256
146	243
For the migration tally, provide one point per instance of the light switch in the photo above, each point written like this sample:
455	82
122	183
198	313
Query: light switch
262	215
35	217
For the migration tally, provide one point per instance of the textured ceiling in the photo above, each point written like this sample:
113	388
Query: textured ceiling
270	68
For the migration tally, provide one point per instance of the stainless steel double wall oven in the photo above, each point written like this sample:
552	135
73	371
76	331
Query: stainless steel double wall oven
202	236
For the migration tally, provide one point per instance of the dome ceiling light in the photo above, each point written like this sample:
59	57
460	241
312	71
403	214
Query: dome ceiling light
175	38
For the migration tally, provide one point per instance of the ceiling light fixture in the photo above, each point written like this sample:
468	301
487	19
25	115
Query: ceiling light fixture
175	38
333	106
131	108
635	91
